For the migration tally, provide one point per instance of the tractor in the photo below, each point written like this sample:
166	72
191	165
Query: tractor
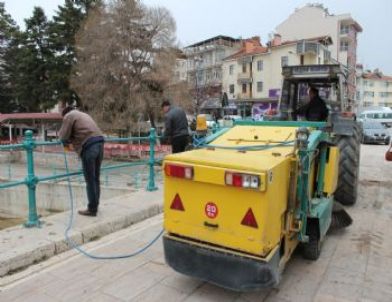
237	206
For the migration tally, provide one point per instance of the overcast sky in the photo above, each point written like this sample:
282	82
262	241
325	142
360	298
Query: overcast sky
201	19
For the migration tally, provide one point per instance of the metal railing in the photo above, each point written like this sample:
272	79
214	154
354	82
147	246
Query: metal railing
31	180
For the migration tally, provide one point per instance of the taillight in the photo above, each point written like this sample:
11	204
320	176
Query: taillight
179	171
242	180
249	219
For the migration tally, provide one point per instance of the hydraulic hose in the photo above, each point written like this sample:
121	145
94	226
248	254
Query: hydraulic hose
75	246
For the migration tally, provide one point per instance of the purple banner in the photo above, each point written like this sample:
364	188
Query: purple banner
274	93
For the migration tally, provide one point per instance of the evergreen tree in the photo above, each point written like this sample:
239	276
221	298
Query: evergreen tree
34	59
8	31
62	31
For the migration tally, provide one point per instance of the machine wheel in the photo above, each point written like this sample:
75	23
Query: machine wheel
311	250
350	146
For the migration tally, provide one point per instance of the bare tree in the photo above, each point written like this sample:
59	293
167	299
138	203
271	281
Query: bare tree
125	62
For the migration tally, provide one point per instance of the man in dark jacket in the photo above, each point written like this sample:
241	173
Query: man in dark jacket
80	130
315	110
176	126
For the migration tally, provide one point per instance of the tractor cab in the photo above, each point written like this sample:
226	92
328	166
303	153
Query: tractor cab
329	80
345	131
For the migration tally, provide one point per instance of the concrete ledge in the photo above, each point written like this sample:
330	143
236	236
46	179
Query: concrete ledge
21	247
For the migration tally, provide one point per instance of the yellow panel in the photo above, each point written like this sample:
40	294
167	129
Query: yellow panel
225	229
201	122
255	161
332	171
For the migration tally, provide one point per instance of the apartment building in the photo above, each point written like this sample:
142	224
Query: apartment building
252	77
180	72
315	20
373	89
204	68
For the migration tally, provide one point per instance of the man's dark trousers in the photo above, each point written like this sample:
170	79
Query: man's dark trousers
179	143
91	161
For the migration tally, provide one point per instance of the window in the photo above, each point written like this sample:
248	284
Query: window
358	95
383	94
259	86
369	94
243	88
231	88
344	29
284	61
231	69
244	67
259	65
344	45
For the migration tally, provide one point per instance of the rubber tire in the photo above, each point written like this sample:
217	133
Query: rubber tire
312	249
350	151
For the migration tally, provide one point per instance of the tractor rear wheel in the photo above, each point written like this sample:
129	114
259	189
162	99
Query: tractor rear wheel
350	146
312	248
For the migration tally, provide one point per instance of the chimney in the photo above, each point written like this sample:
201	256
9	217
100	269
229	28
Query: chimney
277	40
250	44
257	40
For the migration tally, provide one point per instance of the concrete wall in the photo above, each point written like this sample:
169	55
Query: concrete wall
42	159
51	197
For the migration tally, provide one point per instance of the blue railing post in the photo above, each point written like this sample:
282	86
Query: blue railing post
31	180
151	177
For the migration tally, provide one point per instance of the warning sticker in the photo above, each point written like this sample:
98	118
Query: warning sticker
211	210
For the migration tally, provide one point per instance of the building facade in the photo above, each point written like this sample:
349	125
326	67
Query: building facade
252	77
373	89
314	20
204	68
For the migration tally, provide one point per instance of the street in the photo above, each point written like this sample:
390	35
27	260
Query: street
355	264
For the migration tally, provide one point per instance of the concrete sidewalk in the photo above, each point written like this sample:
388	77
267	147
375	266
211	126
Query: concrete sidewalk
21	247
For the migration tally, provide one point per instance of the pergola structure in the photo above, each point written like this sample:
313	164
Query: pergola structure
41	122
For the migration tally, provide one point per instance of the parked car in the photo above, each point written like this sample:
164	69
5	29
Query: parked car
383	116
210	120
375	132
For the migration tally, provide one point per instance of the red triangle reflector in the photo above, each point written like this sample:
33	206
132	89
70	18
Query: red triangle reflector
177	204
249	219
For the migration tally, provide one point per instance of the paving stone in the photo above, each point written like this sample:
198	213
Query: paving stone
27	246
182	283
160	293
99	297
210	292
133	284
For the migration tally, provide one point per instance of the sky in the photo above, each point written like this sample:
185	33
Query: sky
198	20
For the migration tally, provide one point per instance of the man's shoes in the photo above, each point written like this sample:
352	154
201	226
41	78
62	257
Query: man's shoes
87	213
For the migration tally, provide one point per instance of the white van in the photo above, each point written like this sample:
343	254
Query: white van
382	116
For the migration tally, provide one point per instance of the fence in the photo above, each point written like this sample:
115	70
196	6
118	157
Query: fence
29	144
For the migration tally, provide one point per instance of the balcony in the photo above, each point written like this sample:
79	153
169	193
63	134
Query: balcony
307	48
244	78
244	96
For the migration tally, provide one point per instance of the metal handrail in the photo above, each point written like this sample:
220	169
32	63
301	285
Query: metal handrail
31	180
